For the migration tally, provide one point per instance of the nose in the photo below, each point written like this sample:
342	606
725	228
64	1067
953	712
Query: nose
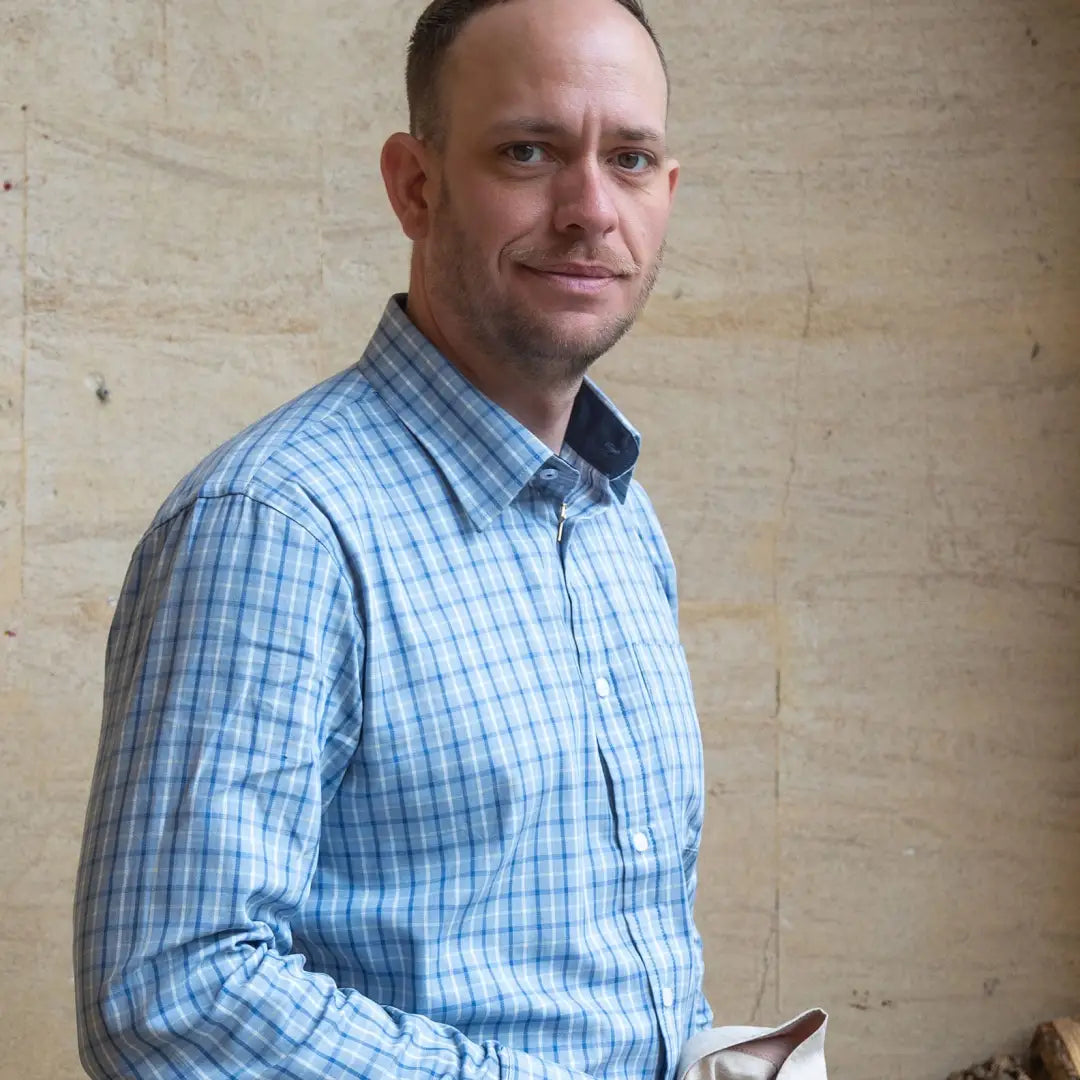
584	201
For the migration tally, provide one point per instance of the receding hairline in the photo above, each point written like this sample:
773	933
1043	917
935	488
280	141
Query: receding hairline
431	48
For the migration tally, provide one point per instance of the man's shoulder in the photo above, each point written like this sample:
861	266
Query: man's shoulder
652	536
641	506
296	455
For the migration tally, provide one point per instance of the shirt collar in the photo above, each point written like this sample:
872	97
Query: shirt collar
486	456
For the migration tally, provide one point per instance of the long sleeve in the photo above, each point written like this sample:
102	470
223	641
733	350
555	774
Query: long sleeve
701	1014
232	708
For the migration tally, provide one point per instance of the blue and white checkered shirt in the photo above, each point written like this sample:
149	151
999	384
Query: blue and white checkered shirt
393	781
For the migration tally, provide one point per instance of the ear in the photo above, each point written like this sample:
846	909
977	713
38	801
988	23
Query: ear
673	178
405	164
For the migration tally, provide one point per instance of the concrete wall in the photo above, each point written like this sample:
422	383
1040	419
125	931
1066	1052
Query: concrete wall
859	383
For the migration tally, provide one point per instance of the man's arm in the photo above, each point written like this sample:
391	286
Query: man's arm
232	708
701	1015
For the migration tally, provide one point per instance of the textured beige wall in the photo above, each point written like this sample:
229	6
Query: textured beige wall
859	383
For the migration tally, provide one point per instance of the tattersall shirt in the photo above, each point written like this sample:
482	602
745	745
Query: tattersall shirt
394	782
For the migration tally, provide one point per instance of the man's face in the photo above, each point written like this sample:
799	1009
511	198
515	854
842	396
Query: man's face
553	189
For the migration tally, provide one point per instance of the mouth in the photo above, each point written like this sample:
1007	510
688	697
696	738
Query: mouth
578	278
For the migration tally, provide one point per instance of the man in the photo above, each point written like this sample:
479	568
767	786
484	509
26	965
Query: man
400	774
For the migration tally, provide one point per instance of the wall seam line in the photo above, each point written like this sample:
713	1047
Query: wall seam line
25	357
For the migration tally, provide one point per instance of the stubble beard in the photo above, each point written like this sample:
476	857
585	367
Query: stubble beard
508	331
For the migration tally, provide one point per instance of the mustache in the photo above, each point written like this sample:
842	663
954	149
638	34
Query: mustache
543	258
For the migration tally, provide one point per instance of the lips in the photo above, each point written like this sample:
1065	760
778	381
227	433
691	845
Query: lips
574	280
576	270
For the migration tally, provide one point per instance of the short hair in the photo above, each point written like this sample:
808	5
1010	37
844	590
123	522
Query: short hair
434	33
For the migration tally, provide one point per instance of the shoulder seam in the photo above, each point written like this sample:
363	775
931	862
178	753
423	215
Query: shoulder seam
244	494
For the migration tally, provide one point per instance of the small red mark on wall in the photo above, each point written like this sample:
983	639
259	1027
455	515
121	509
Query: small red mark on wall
11	633
8	185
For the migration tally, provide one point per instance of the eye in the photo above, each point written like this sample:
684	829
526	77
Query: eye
633	161
525	153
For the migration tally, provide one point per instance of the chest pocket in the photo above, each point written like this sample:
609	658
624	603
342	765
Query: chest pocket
655	738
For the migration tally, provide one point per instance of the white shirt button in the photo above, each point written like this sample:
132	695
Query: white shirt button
549	474
603	687
667	996
640	841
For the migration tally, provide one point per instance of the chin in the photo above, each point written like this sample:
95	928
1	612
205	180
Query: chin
585	336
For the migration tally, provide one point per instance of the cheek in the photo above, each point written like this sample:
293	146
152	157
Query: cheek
636	233
647	229
511	211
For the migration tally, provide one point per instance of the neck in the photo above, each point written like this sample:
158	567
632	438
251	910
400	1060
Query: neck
543	409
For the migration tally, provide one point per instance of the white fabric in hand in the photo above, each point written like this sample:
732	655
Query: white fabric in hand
792	1051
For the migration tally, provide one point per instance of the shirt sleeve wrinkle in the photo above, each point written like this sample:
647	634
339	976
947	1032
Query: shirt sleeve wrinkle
233	681
701	1014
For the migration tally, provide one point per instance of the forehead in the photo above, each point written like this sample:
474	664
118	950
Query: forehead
566	62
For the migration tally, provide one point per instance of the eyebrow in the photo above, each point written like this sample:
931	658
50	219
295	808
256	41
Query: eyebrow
531	125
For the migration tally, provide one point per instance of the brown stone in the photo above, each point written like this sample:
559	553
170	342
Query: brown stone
1056	1047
